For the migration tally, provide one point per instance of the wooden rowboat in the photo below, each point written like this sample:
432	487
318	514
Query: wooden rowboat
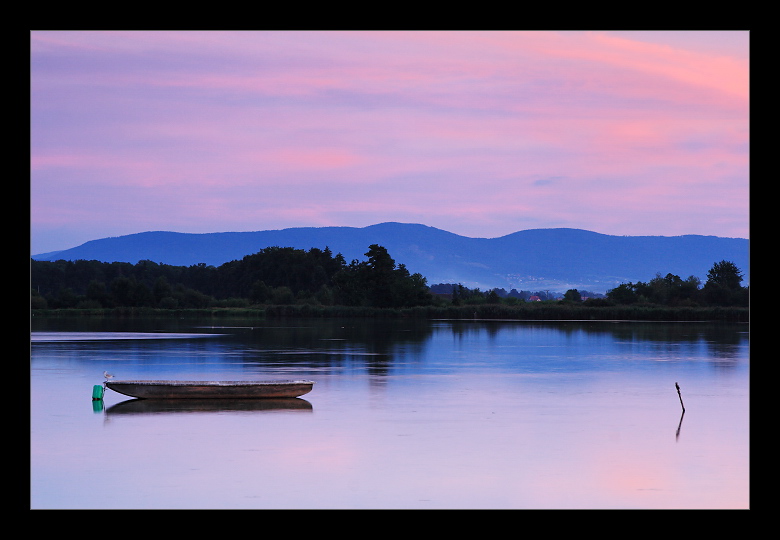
211	389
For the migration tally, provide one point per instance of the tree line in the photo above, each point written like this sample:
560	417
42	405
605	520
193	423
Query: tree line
723	288
289	276
274	275
461	295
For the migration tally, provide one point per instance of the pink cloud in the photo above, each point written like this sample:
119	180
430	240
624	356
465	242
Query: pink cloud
292	159
724	74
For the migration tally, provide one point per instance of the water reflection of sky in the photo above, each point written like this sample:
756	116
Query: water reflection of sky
450	415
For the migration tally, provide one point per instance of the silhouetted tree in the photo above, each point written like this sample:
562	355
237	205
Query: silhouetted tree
572	295
724	274
623	294
723	287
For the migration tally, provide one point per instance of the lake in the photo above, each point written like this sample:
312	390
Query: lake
404	414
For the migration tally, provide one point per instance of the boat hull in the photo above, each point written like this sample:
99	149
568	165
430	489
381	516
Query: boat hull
211	389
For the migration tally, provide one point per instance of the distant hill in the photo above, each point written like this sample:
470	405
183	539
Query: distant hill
536	259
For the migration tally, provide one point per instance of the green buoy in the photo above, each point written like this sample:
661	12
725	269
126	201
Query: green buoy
97	392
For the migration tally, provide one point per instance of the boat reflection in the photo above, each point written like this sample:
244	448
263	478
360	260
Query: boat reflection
157	406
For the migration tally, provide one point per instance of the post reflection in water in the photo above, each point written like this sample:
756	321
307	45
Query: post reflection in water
679	426
404	414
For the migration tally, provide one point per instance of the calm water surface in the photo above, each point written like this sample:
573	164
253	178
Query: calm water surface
404	414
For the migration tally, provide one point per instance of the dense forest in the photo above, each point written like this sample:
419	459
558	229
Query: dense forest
286	276
274	275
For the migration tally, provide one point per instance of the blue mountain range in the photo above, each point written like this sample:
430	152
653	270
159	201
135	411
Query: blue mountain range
535	259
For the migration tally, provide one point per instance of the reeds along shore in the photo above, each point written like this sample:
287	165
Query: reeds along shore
528	311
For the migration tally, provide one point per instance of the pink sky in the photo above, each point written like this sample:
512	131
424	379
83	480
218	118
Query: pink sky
478	133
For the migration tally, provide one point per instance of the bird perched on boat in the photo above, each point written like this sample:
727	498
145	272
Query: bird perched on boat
107	375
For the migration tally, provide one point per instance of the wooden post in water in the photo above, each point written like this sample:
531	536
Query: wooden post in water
679	395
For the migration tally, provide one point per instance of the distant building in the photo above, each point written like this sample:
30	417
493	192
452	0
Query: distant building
534	298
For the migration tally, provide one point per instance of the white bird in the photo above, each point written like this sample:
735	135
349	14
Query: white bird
107	375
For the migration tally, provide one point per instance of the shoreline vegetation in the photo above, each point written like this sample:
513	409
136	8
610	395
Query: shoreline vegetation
552	311
288	282
537	311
